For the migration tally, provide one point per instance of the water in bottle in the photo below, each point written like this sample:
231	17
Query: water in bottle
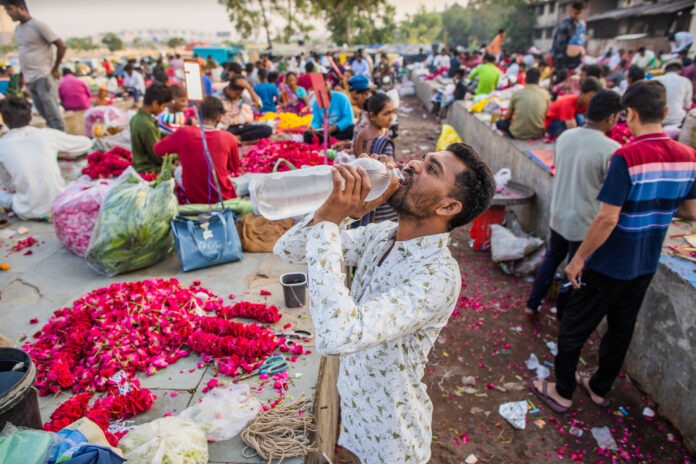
295	193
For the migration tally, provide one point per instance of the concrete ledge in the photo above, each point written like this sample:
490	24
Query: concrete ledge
662	357
425	91
500	152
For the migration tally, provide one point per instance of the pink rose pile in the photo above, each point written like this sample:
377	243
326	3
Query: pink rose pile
262	157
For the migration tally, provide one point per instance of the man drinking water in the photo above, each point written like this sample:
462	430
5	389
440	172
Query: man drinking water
405	287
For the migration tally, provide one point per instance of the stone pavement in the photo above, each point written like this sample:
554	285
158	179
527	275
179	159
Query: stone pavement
52	277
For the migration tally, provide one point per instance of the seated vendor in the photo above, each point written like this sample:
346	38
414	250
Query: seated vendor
267	90
29	161
144	129
177	113
187	142
239	114
524	118
340	123
566	112
487	75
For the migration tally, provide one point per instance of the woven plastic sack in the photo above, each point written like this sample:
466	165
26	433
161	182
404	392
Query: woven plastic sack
27	446
109	119
448	136
224	412
132	230
75	211
169	440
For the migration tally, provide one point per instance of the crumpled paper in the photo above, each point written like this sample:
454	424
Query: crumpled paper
533	363
515	413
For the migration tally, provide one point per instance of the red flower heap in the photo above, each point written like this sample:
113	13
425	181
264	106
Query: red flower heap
110	164
135	327
263	156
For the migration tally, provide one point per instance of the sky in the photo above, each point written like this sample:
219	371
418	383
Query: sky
75	18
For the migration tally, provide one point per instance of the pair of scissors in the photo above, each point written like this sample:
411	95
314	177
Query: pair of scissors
270	366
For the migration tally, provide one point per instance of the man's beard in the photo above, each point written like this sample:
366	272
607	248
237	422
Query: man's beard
412	205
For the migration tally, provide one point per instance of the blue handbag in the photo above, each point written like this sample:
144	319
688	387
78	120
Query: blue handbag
211	238
207	240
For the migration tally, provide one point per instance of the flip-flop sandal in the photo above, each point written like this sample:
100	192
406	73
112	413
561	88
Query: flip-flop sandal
4	223
543	396
584	388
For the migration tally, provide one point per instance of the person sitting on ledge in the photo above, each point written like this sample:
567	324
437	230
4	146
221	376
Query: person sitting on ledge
567	111
524	118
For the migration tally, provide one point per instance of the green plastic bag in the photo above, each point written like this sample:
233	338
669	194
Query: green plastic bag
132	230
26	446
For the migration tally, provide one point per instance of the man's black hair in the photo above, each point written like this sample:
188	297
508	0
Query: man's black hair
235	67
161	76
272	77
177	91
249	68
158	92
648	99
603	104
532	75
672	37
17	3
459	72
488	58
501	30
641	49
474	187
212	108
591	84
233	85
16	111
592	70
66	71
635	73
128	67
675	66
309	67
262	74
578	5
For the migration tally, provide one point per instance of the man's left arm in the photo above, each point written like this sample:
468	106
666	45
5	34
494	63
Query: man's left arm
343	327
61	48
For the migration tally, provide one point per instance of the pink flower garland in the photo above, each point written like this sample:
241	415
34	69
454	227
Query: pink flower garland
259	312
262	157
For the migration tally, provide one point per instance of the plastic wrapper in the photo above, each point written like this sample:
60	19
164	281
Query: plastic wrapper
502	178
169	440
75	211
448	136
224	412
26	446
132	230
505	246
101	121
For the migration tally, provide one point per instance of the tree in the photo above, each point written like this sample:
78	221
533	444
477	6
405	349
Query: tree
249	15
176	42
422	27
8	48
112	41
457	25
81	43
358	21
294	11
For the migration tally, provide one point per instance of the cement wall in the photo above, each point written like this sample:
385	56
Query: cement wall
500	152
662	356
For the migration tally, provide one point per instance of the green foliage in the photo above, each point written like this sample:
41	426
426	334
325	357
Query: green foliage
81	43
112	42
293	11
473	26
8	48
176	42
358	21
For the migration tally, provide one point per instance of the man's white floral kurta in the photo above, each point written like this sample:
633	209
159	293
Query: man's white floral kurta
383	329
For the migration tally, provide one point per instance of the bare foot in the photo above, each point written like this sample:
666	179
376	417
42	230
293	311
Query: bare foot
584	380
531	312
551	391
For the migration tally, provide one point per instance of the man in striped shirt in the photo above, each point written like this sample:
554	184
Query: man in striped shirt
649	181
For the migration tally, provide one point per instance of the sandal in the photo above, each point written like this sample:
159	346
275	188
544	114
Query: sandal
4	223
580	378
543	396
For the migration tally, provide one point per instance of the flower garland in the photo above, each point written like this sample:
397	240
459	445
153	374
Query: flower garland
262	157
110	334
257	311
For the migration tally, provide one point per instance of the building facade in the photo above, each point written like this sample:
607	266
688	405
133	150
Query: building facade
619	24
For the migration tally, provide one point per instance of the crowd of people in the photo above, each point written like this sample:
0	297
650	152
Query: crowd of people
611	205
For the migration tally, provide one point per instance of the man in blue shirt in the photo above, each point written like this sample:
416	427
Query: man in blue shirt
360	66
649	181
341	121
267	91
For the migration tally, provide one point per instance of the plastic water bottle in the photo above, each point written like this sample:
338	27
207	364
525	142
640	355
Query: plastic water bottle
295	193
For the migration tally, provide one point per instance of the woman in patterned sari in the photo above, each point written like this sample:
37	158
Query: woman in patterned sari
293	98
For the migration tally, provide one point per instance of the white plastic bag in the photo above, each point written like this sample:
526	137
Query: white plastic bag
169	440
505	246
502	178
224	412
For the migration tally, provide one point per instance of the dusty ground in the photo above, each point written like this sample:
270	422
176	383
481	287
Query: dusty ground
479	363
